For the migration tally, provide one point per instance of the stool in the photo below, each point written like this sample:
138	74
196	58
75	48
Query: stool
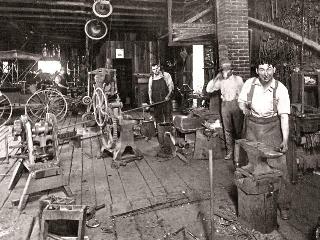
54	212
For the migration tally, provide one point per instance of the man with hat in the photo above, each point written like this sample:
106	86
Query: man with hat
230	86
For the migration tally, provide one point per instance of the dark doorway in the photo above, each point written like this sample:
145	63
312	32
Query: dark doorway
124	81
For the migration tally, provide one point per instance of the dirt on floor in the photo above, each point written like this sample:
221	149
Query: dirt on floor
153	198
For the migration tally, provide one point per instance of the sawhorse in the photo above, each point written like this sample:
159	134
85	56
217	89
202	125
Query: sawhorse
42	176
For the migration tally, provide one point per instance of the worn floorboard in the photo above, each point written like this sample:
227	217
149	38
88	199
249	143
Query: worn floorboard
144	200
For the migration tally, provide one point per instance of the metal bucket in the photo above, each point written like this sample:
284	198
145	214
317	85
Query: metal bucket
164	141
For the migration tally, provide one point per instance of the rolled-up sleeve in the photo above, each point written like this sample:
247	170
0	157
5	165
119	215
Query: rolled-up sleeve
168	79
244	91
214	84
283	98
150	87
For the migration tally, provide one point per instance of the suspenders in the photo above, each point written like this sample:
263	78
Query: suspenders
250	94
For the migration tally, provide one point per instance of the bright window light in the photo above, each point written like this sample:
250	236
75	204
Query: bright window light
49	66
5	67
198	72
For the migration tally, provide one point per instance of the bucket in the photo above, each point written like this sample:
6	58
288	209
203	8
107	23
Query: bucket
163	141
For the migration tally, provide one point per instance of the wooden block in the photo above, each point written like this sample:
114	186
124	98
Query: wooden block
258	211
204	143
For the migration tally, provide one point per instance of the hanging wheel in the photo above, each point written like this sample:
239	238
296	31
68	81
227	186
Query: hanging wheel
100	106
5	109
46	101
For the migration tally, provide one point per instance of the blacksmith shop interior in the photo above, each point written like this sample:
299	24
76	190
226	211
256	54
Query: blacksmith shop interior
159	119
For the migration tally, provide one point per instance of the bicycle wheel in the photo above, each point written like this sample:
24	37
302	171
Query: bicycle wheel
46	101
100	106
5	109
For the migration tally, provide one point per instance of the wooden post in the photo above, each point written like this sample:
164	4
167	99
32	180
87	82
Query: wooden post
301	56
211	194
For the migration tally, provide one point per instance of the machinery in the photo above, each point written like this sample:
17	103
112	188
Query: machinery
38	155
304	139
117	129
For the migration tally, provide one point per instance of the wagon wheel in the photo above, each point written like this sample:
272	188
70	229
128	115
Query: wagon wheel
5	109
46	101
100	106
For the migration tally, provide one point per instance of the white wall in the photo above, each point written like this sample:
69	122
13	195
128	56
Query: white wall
198	69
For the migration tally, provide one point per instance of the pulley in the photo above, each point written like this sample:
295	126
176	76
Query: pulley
102	8
95	29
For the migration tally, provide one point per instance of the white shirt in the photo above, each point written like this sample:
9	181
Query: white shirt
262	99
167	78
230	87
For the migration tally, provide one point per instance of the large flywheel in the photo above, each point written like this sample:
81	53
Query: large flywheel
5	109
46	101
100	106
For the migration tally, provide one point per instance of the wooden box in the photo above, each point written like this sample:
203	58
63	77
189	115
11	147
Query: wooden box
187	124
203	143
62	216
258	211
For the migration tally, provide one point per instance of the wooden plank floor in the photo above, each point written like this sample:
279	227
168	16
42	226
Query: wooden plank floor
146	199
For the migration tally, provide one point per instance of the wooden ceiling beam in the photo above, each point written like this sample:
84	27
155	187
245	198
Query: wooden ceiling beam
56	18
43	22
43	10
127	6
131	14
79	3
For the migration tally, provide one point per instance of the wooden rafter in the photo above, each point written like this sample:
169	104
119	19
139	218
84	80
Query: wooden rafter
285	32
199	15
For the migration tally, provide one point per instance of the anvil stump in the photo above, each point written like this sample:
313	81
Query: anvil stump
258	185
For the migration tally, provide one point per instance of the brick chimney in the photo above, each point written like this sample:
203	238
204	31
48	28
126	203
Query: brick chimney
233	36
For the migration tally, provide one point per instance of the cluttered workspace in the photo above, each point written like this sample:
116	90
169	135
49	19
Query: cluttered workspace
117	120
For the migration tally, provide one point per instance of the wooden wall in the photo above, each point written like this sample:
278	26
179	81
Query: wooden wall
286	14
142	53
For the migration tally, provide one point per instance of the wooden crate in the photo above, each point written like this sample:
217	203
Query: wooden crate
258	211
61	214
204	143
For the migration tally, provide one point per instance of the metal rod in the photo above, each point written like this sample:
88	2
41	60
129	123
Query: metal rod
79	123
151	105
211	194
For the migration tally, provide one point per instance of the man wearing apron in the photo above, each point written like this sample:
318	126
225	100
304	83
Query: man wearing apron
266	105
160	89
232	117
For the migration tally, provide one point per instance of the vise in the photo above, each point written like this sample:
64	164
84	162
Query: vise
257	185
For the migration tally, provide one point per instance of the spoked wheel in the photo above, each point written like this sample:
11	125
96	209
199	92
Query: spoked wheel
5	109
100	106
46	101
